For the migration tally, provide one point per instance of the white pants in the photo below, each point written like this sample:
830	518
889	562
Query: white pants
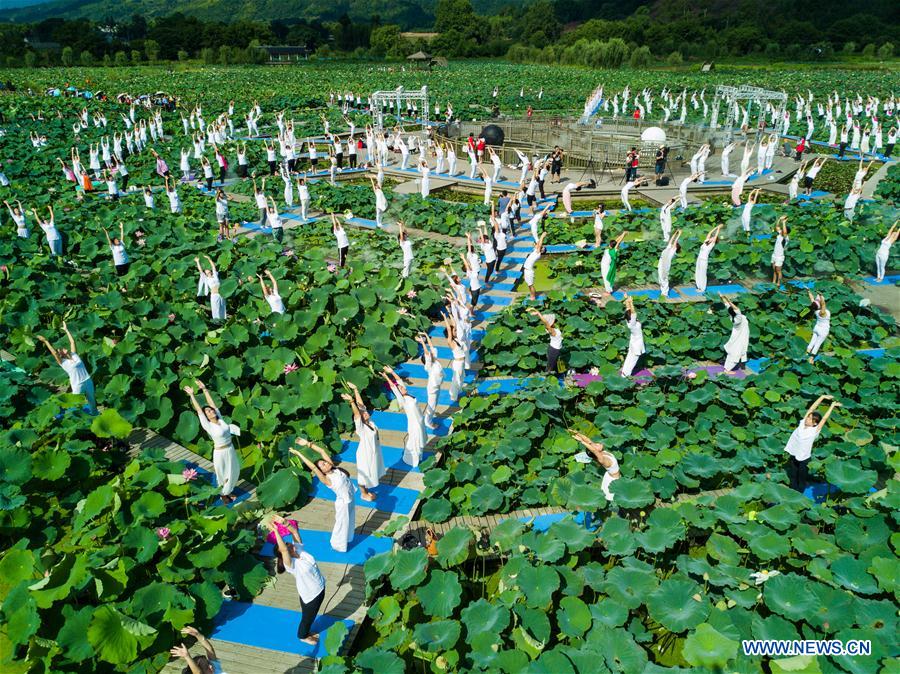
880	265
404	160
473	167
407	266
344	525
227	467
496	176
440	165
378	214
604	486
731	361
456	383
304	206
631	359
452	169
818	338
664	286
431	405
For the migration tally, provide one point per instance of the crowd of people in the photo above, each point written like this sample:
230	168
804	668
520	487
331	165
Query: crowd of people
292	162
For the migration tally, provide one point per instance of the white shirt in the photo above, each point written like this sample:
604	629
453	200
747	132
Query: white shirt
306	573
556	338
488	250
119	254
276	304
532	258
801	441
342	240
406	247
76	370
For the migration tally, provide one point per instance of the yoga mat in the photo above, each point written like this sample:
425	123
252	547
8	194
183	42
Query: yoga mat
493	285
491	299
727	289
393	456
318	544
819	492
269	627
362	222
803	284
568	248
756	364
418	371
888	280
396	421
446	353
439	330
649	294
574	214
505	385
239	494
388	498
543	522
420	393
872	353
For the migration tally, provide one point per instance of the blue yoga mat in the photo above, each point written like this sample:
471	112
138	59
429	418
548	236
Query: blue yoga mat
756	364
362	222
506	385
388	498
239	494
574	214
543	522
268	627
393	456
420	393
516	256
446	353
888	280
438	331
418	371
489	299
803	284
819	492
485	315
318	544
494	285
649	294
396	421
567	248
872	353
727	289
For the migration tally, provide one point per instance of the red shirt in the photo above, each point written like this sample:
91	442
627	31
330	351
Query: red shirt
480	145
637	113
471	143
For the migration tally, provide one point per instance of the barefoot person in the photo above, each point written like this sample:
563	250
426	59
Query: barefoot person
605	459
291	557
415	425
369	458
226	463
338	480
664	265
270	293
556	338
635	338
530	261
609	261
703	257
799	445
70	361
822	326
781	240
738	343
883	254
435	377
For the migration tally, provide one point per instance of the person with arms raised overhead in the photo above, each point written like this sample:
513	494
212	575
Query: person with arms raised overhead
800	444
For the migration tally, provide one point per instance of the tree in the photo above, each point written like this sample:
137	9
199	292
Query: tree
67	58
383	39
121	59
224	55
539	23
135	56
183	55
107	61
30	59
151	49
886	50
208	54
675	59
849	48
869	51
86	58
640	57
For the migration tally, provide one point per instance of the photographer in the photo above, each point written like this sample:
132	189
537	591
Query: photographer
631	164
662	155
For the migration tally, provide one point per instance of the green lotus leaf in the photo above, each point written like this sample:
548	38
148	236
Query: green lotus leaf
409	568
788	596
440	635
150	505
436	510
850	477
632	493
111	637
573	616
674	606
378	660
441	594
629	586
279	489
453	547
575	536
485	623
538	583
851	573
706	647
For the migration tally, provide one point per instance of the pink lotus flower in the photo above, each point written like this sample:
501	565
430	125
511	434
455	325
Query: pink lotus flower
189	474
141	243
691	375
163	533
332	267
402	311
291	367
171	318
411	294
288	252
139	234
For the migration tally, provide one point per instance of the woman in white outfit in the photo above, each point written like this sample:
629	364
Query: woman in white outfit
794	185
435	377
609	262
850	203
458	364
68	359
703	257
627	187
822	326
683	189
665	217
605	459
738	343
415	425
425	180
599	215
54	239
18	216
635	338
665	263
737	187
226	463
369	458
209	279
781	240
407	248
747	210
530	261
338	480
725	160
270	293
380	202
884	251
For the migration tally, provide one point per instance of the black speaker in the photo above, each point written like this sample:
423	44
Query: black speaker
492	134
663	181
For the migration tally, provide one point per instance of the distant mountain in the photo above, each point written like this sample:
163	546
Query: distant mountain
408	13
13	4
